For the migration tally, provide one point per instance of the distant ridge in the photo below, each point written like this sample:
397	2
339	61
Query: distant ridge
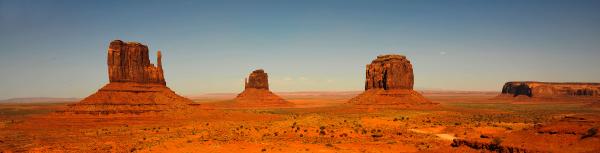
332	94
39	100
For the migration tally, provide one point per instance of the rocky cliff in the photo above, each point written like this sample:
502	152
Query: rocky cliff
134	83
129	62
389	72
257	94
389	82
258	79
550	90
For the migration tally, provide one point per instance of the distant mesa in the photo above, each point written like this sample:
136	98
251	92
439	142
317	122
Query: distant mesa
135	83
389	83
533	90
40	100
257	94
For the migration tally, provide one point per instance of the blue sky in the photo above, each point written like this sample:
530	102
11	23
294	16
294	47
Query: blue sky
58	48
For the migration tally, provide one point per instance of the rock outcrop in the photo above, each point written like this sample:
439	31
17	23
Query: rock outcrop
389	72
488	146
389	82
129	62
257	94
532	90
135	85
258	79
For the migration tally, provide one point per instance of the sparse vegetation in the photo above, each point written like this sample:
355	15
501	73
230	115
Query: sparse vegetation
323	127
497	141
590	133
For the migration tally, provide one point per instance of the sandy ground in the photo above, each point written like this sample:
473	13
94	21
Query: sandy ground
322	123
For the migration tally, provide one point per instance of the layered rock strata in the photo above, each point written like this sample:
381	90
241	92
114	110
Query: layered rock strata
389	82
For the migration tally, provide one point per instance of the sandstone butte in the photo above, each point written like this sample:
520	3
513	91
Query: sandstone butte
257	94
134	83
389	83
533	90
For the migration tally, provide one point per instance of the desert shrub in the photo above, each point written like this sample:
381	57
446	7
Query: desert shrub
322	133
497	141
590	133
484	136
377	135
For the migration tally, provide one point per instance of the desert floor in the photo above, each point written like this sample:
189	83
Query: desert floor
462	122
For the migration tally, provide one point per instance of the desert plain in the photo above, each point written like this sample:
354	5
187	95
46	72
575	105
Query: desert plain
311	76
317	122
137	112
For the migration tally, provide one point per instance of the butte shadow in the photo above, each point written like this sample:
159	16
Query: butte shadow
257	94
389	83
135	85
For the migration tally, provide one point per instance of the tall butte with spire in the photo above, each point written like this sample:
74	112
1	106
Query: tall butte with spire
389	83
135	84
257	94
129	62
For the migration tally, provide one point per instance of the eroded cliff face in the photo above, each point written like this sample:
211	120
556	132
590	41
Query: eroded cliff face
389	82
534	89
389	72
257	94
129	62
135	84
258	79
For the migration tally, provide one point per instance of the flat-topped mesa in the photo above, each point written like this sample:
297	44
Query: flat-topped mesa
389	72
135	85
551	90
129	62
389	81
258	79
257	94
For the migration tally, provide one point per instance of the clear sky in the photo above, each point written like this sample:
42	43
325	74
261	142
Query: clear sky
58	48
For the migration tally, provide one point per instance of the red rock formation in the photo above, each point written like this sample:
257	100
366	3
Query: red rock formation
129	62
256	92
135	83
525	90
389	81
389	72
130	93
258	79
